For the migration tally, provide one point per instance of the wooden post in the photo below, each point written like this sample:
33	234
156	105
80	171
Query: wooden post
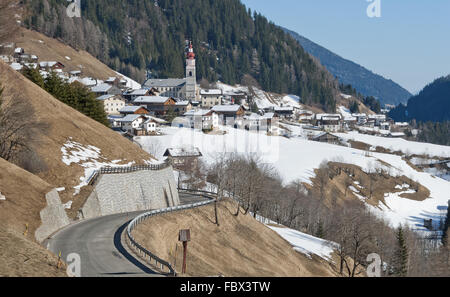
184	236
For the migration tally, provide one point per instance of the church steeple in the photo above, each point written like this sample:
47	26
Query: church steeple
191	80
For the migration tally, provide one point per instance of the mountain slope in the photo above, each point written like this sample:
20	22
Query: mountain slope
69	143
134	36
240	246
348	72
431	104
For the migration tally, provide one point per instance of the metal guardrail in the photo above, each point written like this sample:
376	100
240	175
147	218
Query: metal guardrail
146	254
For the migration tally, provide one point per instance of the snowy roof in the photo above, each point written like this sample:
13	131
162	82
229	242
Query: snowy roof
211	92
198	112
151	99
268	115
226	108
327	116
101	88
88	81
153	119
169	82
182	102
18	50
16	66
105	97
139	92
130	108
111	79
130	117
359	115
183	152
45	64
75	72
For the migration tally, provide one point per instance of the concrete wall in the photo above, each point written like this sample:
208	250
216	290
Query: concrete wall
127	192
53	216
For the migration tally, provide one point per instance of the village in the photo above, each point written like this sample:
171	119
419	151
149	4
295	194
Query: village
141	110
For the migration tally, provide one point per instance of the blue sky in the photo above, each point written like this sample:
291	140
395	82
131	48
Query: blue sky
409	43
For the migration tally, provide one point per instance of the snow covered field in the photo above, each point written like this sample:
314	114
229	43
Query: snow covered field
306	244
398	144
296	159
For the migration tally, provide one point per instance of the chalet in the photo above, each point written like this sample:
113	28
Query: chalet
158	105
212	97
51	65
183	156
385	126
115	81
114	120
361	118
284	111
18	52
329	122
203	119
132	123
150	127
131	95
349	122
305	116
112	103
182	106
235	97
133	109
258	122
229	114
75	73
105	89
326	138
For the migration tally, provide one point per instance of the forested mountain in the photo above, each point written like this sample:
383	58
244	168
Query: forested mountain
348	72
431	104
232	43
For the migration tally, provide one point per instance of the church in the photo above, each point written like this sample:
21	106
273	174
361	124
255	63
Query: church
179	88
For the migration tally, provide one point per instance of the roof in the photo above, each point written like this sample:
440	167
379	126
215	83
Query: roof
182	102
16	66
105	97
157	120
131	108
183	152
226	108
211	92
111	79
139	92
283	109
327	116
151	99
18	50
198	112
101	88
45	64
169	82
130	118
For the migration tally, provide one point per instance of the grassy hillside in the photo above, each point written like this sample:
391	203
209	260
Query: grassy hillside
49	49
240	246
20	254
63	124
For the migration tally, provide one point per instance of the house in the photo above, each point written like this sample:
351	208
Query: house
203	119
305	116
158	105
229	114
326	138
150	127
18	51
212	97
16	66
349	122
329	122
114	120
133	109
51	65
105	89
183	156
258	122
284	111
112	103
385	126
132	123
182	106
75	73
131	95
361	118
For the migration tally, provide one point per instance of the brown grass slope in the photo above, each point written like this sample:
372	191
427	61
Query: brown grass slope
49	49
20	255
63	122
240	246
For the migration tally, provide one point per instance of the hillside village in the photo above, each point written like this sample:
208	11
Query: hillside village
139	110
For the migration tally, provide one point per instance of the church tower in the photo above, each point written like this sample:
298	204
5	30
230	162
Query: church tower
191	79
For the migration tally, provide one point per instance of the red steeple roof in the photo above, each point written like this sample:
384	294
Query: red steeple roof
190	55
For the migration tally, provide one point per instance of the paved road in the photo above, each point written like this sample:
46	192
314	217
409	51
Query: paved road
98	243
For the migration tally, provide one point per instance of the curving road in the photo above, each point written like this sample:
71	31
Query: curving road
98	242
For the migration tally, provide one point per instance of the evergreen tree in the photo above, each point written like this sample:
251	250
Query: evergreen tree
401	254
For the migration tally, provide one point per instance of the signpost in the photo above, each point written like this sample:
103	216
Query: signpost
184	236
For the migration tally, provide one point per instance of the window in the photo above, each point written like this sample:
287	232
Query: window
190	73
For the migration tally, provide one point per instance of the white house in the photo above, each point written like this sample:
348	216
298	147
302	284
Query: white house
202	119
211	97
132	122
329	122
112	103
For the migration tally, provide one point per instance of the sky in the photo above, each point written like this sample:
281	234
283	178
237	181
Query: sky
409	43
